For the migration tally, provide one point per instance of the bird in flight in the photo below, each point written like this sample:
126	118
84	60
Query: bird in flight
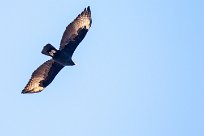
73	35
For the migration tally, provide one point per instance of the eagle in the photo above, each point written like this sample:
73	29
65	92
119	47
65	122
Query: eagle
72	36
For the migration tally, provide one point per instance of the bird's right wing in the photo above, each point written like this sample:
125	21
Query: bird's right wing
76	31
42	76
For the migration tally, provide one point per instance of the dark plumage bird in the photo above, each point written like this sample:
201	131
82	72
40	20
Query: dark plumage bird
73	35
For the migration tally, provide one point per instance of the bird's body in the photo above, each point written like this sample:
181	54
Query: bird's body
73	35
60	56
63	58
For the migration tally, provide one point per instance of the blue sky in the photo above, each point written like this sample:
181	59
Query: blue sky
139	69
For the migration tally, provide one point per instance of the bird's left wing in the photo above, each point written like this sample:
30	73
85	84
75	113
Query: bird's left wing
42	76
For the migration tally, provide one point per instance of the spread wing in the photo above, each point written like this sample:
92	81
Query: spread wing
76	31
42	76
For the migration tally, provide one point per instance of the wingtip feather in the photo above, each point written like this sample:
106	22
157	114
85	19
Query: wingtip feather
24	91
88	8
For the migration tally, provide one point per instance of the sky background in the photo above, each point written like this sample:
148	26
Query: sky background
139	72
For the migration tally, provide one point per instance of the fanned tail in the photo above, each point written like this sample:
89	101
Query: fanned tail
49	50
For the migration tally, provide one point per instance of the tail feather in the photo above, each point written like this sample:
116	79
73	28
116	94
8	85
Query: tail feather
49	50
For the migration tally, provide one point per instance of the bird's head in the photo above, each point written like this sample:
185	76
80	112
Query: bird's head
71	63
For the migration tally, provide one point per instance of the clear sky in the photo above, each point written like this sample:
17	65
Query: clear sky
139	72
